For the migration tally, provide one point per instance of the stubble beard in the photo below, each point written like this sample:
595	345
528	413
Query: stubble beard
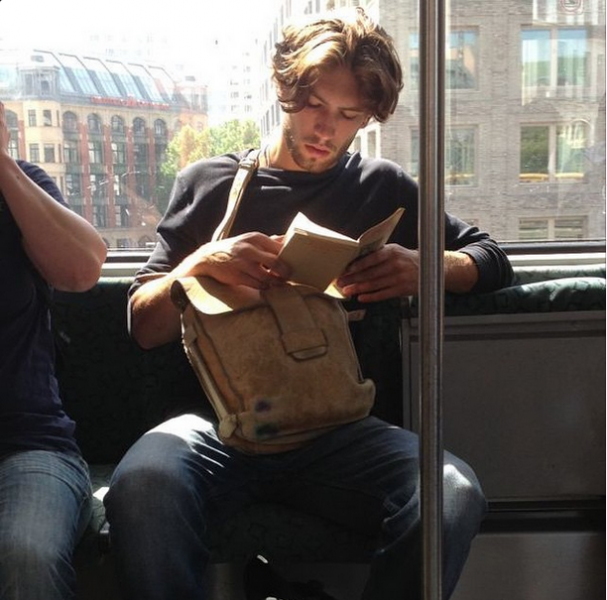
307	163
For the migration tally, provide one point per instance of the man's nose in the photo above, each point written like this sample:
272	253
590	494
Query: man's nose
325	125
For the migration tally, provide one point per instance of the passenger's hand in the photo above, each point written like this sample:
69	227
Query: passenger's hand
390	272
249	259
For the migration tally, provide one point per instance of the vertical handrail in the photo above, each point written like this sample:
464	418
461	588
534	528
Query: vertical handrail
431	287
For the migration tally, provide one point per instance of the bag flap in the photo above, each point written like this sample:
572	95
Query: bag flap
212	297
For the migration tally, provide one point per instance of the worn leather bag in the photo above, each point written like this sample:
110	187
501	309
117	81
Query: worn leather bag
278	365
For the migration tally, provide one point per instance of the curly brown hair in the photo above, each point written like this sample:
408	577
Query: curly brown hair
358	44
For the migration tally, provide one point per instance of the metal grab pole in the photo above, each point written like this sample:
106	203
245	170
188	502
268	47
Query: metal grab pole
431	292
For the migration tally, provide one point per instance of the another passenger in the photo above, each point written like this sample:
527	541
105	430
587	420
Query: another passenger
333	76
45	491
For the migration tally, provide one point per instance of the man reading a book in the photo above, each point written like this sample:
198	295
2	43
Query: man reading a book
333	75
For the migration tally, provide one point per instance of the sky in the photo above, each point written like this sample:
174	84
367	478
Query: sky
192	24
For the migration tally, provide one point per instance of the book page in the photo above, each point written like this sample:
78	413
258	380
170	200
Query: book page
303	224
317	255
375	237
317	259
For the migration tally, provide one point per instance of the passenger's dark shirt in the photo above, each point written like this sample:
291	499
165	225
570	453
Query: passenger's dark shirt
31	414
352	196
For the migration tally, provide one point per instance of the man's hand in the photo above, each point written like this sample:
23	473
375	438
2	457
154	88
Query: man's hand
249	259
393	271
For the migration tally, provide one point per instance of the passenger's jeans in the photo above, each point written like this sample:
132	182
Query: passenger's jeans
45	505
178	477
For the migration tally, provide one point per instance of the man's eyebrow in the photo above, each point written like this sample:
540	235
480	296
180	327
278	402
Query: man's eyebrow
359	109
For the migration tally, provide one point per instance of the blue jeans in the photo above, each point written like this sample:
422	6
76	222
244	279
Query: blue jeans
364	475
45	505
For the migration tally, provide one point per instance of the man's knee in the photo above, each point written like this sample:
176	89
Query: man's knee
464	500
28	565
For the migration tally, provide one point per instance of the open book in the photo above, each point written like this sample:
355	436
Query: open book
317	255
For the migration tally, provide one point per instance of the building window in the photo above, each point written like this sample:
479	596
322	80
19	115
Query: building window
12	122
117	124
100	215
460	156
120	186
554	61
140	154
142	187
122	216
95	152
461	60
49	153
551	153
71	152
94	123
118	153
13	147
47	118
552	228
98	185
31	118
70	122
73	184
138	126
34	153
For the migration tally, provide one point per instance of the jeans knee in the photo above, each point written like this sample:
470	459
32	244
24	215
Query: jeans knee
34	570
135	491
464	499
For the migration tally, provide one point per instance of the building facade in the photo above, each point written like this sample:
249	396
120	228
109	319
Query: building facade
525	110
100	128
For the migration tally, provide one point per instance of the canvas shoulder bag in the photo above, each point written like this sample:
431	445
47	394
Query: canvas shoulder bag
278	365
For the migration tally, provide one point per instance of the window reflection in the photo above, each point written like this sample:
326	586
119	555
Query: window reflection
524	129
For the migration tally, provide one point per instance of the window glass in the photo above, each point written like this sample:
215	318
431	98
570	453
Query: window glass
571	61
126	81
145	82
460	151
460	156
34	153
114	105
78	74
461	60
105	82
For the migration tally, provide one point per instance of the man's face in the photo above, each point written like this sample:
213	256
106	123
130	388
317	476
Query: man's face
317	136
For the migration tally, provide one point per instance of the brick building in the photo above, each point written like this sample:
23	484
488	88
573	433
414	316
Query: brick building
100	128
525	110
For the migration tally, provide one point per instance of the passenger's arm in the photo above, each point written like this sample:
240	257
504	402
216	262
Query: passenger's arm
393	271
65	249
249	259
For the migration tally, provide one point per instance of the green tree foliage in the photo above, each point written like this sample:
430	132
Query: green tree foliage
189	145
233	136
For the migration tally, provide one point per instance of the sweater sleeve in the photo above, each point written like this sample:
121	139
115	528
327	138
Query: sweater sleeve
494	268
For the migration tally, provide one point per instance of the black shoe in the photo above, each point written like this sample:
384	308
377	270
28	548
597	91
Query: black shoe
261	581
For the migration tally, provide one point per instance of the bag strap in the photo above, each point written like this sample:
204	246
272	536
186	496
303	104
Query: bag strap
301	336
246	167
